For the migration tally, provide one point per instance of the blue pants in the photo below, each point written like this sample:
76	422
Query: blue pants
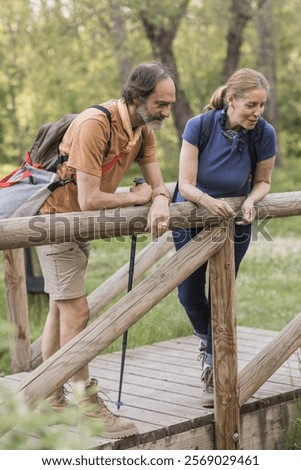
191	291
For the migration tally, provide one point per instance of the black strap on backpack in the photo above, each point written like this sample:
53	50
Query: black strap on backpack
44	150
204	134
108	114
64	158
140	153
255	136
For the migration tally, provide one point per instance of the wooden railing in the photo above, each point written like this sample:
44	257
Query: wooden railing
214	243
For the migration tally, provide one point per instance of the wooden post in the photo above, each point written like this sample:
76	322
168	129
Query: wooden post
116	284
222	287
260	369
17	309
121	316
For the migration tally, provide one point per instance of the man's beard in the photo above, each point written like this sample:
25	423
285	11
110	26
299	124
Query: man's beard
154	122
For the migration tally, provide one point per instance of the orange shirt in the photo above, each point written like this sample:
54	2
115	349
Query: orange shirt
85	143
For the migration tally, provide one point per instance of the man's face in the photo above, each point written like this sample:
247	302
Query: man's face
157	106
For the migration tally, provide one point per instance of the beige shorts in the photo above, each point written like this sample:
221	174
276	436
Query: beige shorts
64	267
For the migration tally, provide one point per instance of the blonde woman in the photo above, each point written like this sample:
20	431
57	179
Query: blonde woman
219	170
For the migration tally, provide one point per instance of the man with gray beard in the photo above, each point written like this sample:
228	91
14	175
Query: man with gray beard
97	150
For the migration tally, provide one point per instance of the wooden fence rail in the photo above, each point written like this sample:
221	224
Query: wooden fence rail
83	226
216	243
108	327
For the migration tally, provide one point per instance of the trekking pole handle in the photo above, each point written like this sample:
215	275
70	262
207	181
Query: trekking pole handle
138	181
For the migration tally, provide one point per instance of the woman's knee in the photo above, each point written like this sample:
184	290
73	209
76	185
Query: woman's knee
193	304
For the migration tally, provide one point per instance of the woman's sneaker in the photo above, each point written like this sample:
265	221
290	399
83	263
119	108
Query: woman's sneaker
93	407
208	391
202	352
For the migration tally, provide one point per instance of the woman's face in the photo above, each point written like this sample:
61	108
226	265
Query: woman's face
244	112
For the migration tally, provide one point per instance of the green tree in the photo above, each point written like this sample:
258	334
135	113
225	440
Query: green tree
15	24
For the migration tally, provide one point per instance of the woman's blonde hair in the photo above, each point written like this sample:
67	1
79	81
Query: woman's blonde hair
240	83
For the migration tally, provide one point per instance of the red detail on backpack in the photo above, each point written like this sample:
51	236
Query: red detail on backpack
5	183
30	162
110	165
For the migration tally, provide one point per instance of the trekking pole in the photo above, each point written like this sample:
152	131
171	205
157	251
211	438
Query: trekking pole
137	181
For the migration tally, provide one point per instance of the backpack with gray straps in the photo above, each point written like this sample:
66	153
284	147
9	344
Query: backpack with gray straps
24	191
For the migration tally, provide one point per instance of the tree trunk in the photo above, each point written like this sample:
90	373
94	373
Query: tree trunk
268	62
241	12
161	35
119	37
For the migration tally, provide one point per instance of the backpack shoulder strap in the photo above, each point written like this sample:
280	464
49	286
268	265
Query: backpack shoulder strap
140	153
204	135
255	137
104	110
206	128
108	114
44	150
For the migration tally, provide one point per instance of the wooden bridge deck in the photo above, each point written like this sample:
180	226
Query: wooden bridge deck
161	392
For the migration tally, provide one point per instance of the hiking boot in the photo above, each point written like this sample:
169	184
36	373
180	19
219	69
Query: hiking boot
93	407
202	352
57	400
208	391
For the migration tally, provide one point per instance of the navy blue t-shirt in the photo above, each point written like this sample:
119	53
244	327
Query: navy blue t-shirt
225	164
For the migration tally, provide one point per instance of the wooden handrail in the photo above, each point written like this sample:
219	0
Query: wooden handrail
260	369
57	228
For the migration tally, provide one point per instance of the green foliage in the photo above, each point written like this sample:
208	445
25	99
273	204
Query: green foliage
292	436
59	57
21	427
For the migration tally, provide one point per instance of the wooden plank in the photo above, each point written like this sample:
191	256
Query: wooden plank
155	384
177	362
138	390
166	404
142	368
263	429
199	438
136	397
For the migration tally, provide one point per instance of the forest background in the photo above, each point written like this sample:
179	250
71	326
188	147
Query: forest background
61	56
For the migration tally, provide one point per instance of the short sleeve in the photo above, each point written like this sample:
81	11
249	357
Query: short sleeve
268	143
192	131
149	155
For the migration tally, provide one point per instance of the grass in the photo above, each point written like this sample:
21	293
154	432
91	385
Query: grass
268	293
